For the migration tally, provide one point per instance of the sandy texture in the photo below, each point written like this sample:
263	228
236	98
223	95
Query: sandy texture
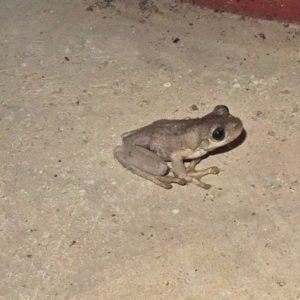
74	223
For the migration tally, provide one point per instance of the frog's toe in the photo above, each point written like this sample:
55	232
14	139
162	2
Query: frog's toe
201	184
165	181
197	175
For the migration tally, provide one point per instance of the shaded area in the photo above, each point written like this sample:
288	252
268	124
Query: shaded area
281	10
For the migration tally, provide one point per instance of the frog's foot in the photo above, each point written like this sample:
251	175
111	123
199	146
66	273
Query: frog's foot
195	176
165	181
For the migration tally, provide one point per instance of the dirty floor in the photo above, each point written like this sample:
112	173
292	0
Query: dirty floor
75	75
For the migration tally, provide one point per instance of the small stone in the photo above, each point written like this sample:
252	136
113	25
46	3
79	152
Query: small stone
271	133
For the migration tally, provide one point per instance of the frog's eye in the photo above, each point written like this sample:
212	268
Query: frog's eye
219	134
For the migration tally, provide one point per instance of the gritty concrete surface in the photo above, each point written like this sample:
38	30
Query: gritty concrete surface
74	223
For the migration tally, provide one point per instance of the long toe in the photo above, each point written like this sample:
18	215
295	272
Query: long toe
197	176
167	180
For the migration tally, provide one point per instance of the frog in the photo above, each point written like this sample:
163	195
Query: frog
167	151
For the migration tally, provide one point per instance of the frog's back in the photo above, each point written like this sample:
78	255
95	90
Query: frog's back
163	129
163	137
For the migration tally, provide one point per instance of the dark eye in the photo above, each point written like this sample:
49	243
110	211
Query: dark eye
219	134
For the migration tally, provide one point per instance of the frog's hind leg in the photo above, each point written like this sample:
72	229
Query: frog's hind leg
148	166
163	181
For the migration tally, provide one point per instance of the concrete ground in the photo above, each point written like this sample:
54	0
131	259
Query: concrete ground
74	76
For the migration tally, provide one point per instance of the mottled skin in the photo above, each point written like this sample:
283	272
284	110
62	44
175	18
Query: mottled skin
145	151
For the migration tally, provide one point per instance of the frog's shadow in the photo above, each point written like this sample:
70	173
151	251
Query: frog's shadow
237	142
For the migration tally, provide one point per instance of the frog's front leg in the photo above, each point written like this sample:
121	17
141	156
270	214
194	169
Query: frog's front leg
146	164
190	174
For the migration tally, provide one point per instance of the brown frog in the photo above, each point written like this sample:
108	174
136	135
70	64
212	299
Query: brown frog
147	150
